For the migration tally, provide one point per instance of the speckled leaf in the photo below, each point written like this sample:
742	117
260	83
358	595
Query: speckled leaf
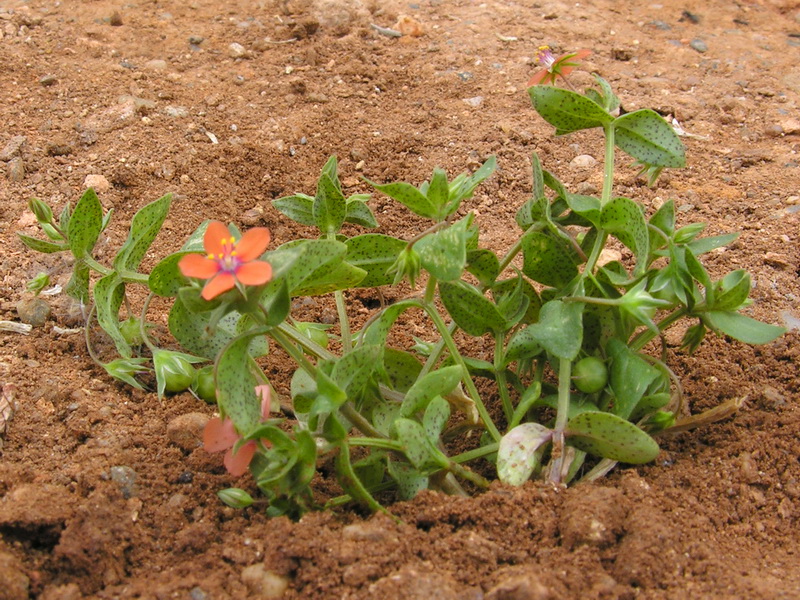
623	218
85	224
236	384
194	243
463	186
410	481
379	329
707	244
741	327
586	206
145	226
189	329
350	482
419	450
523	344
567	111
403	368
609	436
43	246
630	376
648	138
484	265
732	291
560	328
664	219
438	191
374	253
355	369
517	455
444	253
547	260
359	213
166	279
471	310
329	279
508	286
437	383
409	196
109	292
538	177
300	260
329	208
435	418
299	208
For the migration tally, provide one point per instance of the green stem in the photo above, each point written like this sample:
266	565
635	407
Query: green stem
92	263
471	389
371	442
436	352
500	374
308	344
562	415
464	473
344	323
608	165
641	339
476	453
430	289
143	322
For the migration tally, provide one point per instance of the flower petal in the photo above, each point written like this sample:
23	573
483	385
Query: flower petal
237	461
221	283
253	244
538	77
219	435
197	265
216	233
257	272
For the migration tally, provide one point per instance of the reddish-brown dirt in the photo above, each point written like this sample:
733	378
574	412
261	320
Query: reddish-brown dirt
98	501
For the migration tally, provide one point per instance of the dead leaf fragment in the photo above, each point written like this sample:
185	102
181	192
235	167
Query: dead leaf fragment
8	407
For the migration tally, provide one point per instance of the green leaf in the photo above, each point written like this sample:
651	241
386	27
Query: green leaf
299	208
608	99
299	261
630	376
648	138
109	291
435	418
44	246
437	383
330	208
484	265
166	279
409	196
538	177
351	483
360	214
85	224
559	330
124	369
517	454
732	291
609	436
471	310
741	327
410	481
324	281
419	450
523	344
378	331
623	218
353	371
236	385
403	368
664	219
708	244
374	253
547	259
507	287
586	206
145	226
567	111
444	253
462	187
439	191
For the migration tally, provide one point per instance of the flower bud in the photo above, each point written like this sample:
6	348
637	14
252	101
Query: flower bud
41	210
640	305
235	497
408	264
38	283
174	373
203	385
131	331
124	369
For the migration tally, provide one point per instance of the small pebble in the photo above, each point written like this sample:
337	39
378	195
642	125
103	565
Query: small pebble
13	147
125	478
33	311
99	183
236	50
198	593
699	45
186	431
155	65
15	170
475	101
47	80
176	111
583	161
58	148
115	20
196	40
263	583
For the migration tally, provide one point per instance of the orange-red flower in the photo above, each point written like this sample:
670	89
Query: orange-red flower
227	261
555	67
220	435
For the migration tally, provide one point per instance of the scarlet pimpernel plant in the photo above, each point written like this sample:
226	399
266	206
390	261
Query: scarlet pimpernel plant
575	392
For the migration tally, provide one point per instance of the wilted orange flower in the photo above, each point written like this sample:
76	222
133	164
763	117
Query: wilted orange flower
229	262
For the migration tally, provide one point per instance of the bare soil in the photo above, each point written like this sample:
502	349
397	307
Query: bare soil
101	498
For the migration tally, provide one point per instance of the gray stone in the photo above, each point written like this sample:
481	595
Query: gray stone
15	170
12	148
125	478
583	161
699	45
33	311
47	80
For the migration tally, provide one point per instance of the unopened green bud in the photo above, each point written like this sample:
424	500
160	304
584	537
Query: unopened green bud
203	385
124	369
235	497
659	421
42	211
131	331
174	371
640	305
38	283
408	264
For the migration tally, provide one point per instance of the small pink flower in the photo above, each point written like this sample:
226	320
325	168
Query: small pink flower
228	262
220	435
555	67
